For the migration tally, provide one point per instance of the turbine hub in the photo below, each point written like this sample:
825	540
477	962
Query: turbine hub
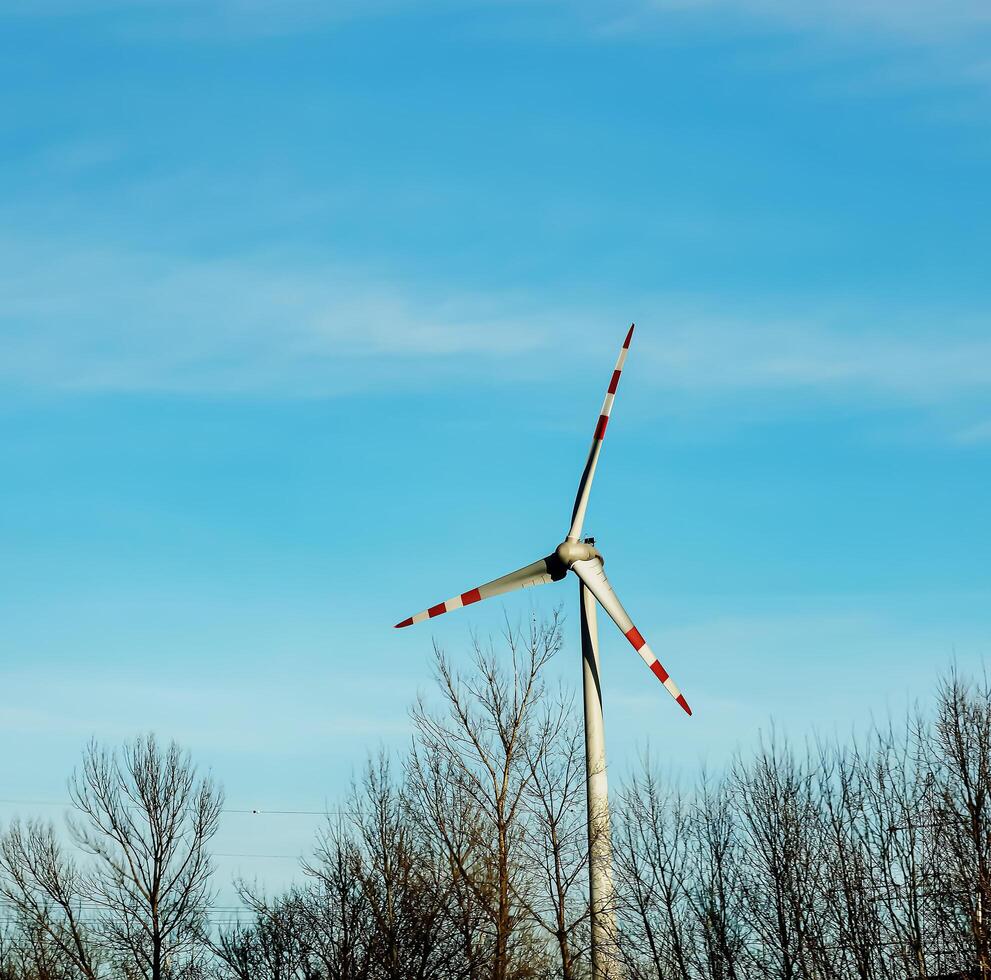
568	552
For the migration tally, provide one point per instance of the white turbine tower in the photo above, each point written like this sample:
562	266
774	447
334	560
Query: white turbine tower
582	558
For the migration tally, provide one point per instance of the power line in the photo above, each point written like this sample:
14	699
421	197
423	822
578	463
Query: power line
243	811
89	908
293	813
35	803
254	811
287	857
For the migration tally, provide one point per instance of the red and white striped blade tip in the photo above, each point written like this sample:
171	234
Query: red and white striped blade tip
656	667
629	336
663	676
405	622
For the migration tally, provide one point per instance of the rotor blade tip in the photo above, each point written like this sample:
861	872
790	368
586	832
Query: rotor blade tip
405	622
681	700
629	336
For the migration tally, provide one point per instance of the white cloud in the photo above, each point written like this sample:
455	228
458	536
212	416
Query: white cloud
110	320
974	434
917	18
807	354
236	714
914	18
938	43
207	17
114	320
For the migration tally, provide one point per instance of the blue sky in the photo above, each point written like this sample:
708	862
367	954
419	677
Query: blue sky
306	313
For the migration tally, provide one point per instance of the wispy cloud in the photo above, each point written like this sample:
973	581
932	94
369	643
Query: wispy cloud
913	18
941	44
911	44
919	18
109	320
973	434
208	18
114	320
234	714
832	352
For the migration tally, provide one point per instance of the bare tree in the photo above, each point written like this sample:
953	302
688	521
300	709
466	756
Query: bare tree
146	819
338	918
28	952
469	778
896	843
651	847
866	861
46	890
274	946
782	871
445	819
852	926
957	766
555	845
399	877
713	890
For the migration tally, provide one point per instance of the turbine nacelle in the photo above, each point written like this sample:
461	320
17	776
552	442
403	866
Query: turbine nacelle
568	552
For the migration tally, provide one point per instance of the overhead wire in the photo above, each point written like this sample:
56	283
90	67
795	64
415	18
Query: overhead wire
243	811
253	810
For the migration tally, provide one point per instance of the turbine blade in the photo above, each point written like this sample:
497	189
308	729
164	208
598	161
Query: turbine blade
585	484
539	573
592	573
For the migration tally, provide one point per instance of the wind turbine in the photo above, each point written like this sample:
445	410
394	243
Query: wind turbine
581	557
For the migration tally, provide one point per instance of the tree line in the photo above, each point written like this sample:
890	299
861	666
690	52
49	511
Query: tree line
466	859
